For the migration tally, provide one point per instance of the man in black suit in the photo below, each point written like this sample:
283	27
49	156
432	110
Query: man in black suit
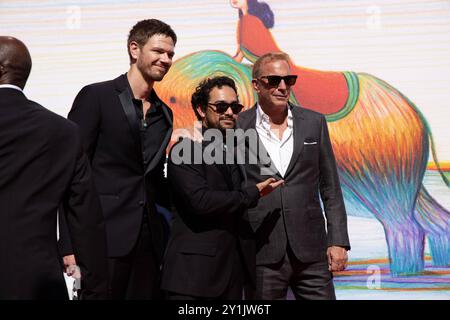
210	254
42	165
126	129
294	249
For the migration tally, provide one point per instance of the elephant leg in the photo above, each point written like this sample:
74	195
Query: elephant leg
406	242
384	165
440	249
434	219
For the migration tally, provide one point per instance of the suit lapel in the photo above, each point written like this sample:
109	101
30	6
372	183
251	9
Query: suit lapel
249	122
298	135
162	148
126	100
222	168
243	173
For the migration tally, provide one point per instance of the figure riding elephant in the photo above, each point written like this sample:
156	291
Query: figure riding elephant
381	143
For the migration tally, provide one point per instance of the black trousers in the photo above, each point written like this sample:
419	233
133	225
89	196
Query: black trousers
308	281
234	289
136	276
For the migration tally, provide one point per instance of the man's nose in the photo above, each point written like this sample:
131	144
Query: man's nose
165	58
229	111
282	85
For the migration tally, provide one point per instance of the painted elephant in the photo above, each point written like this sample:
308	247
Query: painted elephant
381	143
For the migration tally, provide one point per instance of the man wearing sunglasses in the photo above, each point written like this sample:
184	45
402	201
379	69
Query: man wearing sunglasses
210	254
294	249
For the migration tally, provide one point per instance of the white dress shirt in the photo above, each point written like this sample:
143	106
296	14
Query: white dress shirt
280	151
11	86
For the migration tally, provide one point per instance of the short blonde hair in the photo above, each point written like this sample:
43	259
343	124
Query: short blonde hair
268	57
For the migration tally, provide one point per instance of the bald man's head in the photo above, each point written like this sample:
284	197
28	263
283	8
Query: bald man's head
15	62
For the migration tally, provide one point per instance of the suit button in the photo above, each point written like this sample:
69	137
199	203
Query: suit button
141	203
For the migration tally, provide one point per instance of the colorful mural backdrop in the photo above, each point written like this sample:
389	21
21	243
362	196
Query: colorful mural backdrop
380	71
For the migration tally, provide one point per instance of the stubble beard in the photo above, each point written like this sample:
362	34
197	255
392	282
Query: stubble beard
149	76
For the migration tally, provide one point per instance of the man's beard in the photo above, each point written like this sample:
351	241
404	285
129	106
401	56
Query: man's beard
218	125
223	129
148	76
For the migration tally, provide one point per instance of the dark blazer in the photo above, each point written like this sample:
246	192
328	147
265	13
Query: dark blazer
41	166
110	133
293	214
208	227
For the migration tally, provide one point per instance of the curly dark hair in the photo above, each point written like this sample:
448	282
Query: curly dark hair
145	29
261	10
200	97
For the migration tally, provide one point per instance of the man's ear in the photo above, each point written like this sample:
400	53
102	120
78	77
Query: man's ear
135	49
201	112
255	85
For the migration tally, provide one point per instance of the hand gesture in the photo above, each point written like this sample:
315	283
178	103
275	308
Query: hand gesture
268	186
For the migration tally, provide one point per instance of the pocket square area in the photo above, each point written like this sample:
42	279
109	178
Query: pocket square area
309	143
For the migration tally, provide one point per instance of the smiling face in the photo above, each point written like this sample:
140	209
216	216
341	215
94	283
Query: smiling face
222	121
154	59
273	97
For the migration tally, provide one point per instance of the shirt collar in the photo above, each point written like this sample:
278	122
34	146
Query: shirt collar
290	118
10	86
262	117
152	97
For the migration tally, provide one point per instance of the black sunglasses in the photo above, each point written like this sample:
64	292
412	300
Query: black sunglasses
274	81
222	107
